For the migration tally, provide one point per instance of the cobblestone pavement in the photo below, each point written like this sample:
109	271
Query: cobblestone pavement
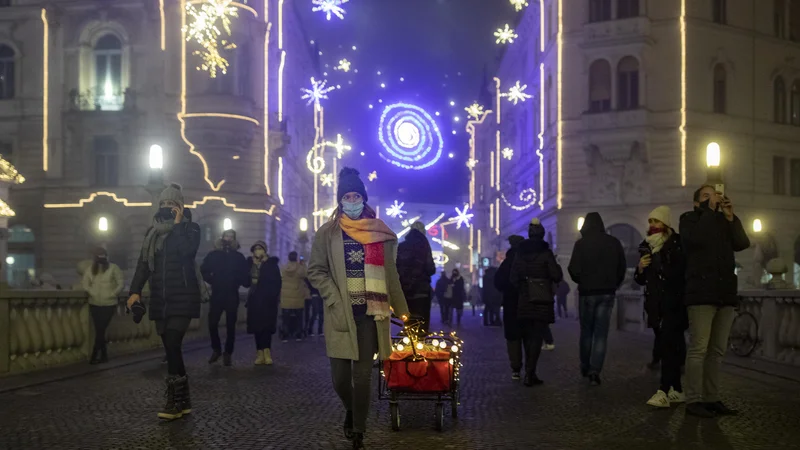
291	405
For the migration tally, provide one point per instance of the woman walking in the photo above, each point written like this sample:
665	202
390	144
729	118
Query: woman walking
459	296
534	273
262	300
103	282
661	271
168	261
353	264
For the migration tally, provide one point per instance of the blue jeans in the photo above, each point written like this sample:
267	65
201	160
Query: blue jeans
595	315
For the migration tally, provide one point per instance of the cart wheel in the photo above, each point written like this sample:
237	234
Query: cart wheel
454	408
394	411
439	416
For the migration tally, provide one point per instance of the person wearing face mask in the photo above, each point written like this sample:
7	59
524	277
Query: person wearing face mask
103	282
262	300
661	271
225	269
459	295
167	260
353	264
710	235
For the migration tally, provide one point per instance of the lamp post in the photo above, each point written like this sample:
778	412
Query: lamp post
302	237
155	181
714	174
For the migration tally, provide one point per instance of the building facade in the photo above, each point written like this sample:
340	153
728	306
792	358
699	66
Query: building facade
626	95
94	93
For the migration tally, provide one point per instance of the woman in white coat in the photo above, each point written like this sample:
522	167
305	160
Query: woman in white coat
103	282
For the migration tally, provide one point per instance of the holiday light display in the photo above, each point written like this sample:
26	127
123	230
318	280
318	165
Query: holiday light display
446	244
5	210
527	197
508	153
92	197
419	343
410	136
472	162
205	30
505	35
318	91
519	4
463	217
9	173
396	210
682	127
475	111
517	93
373	175
440	258
326	179
232	206
339	145
344	65
45	92
330	7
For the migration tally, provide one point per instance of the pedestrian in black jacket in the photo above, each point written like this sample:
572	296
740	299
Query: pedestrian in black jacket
441	290
710	235
661	271
225	269
262	300
167	261
511	329
416	267
492	298
534	273
598	267
459	291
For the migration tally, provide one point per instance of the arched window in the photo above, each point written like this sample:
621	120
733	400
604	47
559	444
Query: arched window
720	89
108	72
627	8
779	99
719	11
628	83
795	103
106	161
7	56
600	86
779	17
599	10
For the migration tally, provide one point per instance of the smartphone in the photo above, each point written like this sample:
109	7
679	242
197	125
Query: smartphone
720	188
644	249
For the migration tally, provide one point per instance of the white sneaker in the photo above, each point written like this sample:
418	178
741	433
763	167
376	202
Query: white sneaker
659	400
676	397
548	347
259	358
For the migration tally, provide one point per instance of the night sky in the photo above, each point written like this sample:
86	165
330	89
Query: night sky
440	48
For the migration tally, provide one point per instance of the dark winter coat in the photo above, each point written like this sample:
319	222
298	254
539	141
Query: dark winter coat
709	242
663	280
459	293
174	287
598	263
441	287
502	281
534	260
225	269
415	265
264	298
492	297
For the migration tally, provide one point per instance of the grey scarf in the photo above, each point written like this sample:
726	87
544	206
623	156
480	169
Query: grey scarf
154	241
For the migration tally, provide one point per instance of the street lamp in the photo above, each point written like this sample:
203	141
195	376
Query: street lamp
757	226
156	157
227	224
580	222
302	237
156	179
304	224
714	174
102	224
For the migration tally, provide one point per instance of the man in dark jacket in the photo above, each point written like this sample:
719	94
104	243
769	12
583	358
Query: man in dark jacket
225	269
710	235
492	298
511	330
441	296
416	267
598	267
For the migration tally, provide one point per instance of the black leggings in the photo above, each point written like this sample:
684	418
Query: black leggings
101	317
172	332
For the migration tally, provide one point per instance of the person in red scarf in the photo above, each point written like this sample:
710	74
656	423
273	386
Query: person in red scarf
353	265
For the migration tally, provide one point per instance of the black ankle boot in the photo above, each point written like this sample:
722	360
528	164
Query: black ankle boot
358	441
182	399
171	410
95	359
532	380
348	425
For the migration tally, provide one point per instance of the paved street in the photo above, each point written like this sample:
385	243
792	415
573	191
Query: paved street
292	406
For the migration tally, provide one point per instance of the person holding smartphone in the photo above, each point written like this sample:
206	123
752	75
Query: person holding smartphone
661	271
710	236
167	260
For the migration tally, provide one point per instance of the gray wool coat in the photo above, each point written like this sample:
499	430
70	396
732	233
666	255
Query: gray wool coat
326	272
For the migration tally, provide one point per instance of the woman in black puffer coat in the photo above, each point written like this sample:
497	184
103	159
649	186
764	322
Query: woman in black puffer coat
167	260
263	300
534	273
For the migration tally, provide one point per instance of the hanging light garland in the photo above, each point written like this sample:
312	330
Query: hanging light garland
204	29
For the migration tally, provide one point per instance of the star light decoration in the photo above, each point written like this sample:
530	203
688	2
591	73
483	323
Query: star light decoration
339	145
475	110
519	4
318	91
462	217
373	176
330	7
204	30
472	162
508	153
505	35
396	210
326	179
517	93
344	65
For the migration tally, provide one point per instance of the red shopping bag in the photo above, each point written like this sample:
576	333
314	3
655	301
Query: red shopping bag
431	374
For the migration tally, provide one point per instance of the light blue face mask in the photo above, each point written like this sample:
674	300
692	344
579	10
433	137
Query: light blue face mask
353	210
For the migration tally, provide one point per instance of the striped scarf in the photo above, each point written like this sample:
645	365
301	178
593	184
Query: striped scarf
372	234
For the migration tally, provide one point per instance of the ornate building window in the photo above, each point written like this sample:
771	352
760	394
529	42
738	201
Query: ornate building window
628	83
779	100
627	8
600	86
106	161
108	72
599	10
7	56
720	89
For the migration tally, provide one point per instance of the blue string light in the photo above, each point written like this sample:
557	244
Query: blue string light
410	136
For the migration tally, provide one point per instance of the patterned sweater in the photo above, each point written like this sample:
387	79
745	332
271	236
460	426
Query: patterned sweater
356	278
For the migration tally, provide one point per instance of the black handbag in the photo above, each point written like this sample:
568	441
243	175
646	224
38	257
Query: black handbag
538	290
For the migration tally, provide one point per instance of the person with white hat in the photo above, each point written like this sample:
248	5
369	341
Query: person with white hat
661	271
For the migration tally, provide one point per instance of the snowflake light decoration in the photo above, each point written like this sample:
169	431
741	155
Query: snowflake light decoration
326	179
373	176
344	66
508	153
472	162
519	4
517	93
396	210
475	111
505	35
463	216
330	7
204	29
339	146
318	91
